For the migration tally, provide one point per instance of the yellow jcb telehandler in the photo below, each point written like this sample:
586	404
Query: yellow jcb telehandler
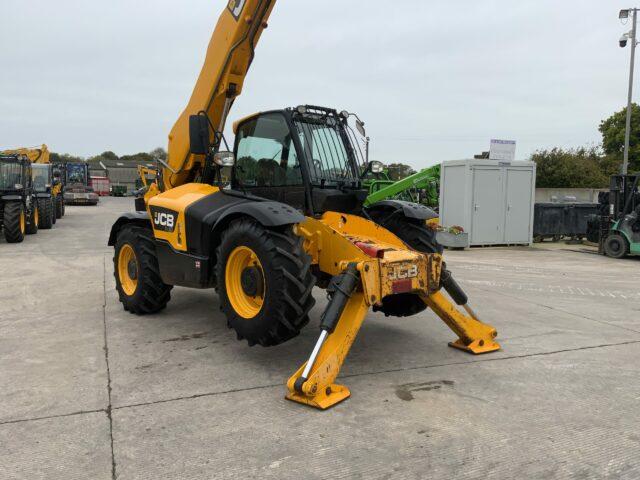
292	218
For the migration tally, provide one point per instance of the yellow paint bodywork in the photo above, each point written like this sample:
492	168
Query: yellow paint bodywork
177	199
330	241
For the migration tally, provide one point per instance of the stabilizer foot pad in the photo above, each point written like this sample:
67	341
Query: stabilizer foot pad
322	400
476	347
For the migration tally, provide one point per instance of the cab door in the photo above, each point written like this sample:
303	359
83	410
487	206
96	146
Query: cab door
267	162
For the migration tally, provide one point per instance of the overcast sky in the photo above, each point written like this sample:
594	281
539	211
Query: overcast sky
432	82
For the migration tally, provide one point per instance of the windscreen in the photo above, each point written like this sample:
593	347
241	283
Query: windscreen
76	173
10	175
266	154
329	149
40	175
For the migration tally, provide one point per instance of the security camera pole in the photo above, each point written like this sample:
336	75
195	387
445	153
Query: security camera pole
623	43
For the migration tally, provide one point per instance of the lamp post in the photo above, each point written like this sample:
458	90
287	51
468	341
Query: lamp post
631	35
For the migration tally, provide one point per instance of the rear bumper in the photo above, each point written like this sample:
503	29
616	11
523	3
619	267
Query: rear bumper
81	198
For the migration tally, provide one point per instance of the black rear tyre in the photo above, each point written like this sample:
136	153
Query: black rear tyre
138	282
46	213
411	231
616	246
264	281
14	222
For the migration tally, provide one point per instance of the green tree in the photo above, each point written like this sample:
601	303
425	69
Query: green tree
569	168
613	129
398	171
64	158
109	155
141	158
159	152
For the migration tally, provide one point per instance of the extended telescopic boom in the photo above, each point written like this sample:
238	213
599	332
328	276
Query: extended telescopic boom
35	154
228	58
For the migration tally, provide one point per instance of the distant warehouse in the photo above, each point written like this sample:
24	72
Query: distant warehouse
119	172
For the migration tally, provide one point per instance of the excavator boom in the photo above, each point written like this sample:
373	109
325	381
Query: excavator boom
228	58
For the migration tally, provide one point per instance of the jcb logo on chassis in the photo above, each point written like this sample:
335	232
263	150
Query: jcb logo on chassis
403	271
164	219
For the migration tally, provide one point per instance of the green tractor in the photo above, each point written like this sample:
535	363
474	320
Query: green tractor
620	230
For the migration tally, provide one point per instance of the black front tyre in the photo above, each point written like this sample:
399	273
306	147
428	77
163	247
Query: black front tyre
616	246
138	282
59	206
15	222
45	206
264	281
33	222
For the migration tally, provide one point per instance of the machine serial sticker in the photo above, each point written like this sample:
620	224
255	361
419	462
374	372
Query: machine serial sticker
235	7
164	219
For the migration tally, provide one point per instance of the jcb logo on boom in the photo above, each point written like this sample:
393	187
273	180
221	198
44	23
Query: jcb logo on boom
164	219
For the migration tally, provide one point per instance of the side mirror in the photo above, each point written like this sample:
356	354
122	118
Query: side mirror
224	159
360	127
199	143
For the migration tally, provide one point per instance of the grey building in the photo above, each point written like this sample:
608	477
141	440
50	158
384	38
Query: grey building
117	171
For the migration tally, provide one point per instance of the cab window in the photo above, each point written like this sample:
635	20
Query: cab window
266	155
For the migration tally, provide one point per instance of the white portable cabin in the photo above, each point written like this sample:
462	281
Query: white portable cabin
491	200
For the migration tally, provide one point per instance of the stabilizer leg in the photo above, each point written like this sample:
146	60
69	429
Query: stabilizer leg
313	383
474	336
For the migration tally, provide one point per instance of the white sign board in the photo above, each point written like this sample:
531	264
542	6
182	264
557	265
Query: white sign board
504	150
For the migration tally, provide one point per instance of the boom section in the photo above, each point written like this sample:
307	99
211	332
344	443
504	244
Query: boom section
227	61
35	154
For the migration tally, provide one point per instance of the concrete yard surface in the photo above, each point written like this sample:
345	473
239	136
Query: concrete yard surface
89	391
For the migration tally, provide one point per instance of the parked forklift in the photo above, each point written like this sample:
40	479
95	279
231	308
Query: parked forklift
19	213
620	228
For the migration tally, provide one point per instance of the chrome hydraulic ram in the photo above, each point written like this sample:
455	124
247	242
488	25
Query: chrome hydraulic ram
341	288
455	291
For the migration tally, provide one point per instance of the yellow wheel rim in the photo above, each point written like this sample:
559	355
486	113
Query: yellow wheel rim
128	269
23	223
247	302
36	217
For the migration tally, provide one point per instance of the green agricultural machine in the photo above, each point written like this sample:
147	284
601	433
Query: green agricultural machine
422	187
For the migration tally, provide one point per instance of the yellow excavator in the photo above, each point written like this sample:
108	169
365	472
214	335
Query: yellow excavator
46	183
291	218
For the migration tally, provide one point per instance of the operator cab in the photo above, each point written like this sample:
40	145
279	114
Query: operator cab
15	174
307	157
42	176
